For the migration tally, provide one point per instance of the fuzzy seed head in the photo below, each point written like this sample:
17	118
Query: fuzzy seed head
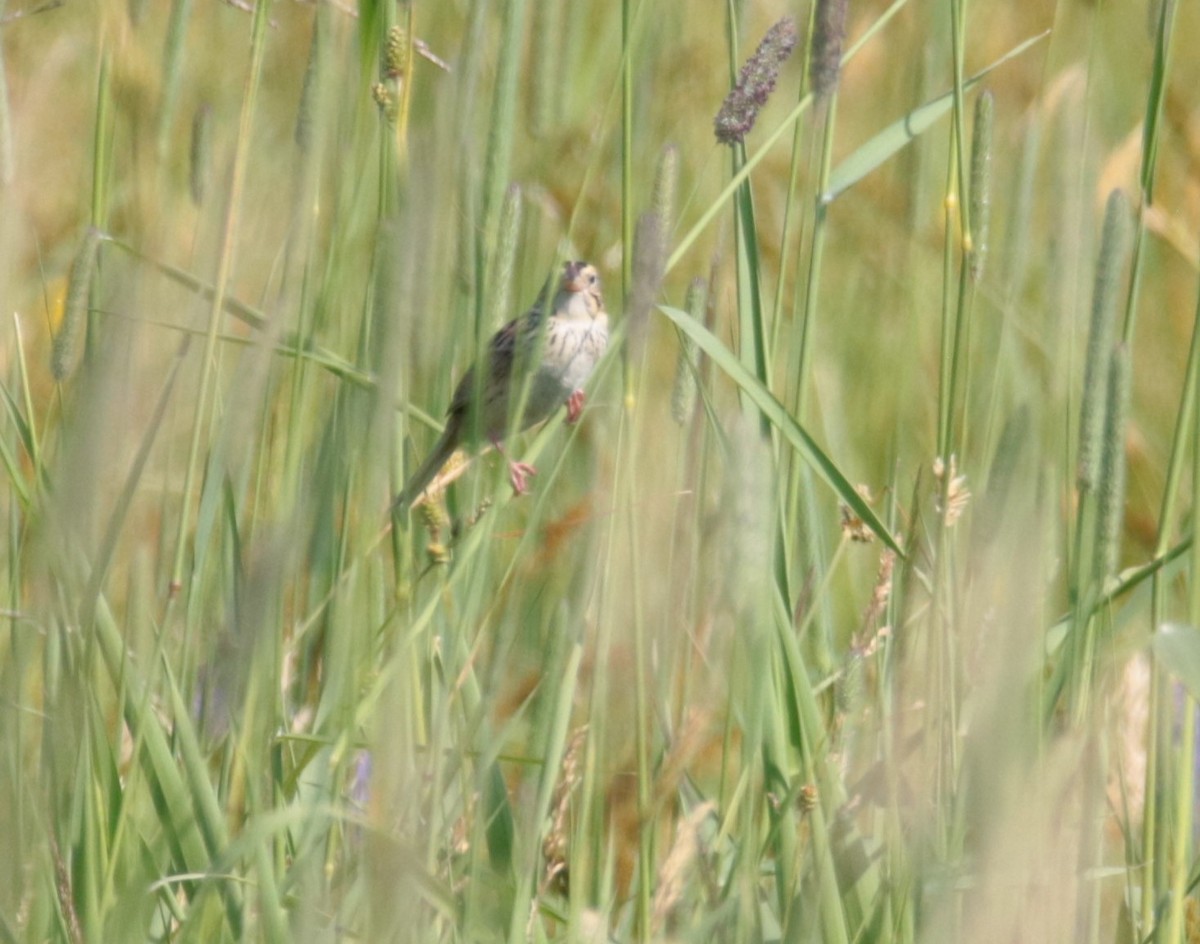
649	264
981	185
1110	267
676	871
749	514
1112	467
953	486
829	32
755	83
666	182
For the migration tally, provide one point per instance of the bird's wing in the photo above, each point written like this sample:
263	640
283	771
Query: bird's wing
501	355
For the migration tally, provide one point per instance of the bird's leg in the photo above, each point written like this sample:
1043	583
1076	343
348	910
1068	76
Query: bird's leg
518	472
575	407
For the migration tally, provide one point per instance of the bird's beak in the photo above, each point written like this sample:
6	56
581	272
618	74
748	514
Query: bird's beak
573	276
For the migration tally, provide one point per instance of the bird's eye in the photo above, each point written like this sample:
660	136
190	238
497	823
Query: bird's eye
591	278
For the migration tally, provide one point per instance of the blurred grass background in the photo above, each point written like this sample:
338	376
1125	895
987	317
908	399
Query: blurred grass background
247	250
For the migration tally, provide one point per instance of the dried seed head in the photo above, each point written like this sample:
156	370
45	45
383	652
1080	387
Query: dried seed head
555	846
829	32
677	867
755	83
957	494
879	601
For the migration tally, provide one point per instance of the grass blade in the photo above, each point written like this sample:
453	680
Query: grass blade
775	413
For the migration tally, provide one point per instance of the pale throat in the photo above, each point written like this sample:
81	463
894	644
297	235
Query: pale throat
578	306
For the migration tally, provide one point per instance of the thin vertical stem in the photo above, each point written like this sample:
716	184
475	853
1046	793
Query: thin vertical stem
258	32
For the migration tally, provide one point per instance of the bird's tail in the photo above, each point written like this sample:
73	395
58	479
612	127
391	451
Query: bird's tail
417	482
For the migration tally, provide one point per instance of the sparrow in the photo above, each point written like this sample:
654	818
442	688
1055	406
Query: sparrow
554	355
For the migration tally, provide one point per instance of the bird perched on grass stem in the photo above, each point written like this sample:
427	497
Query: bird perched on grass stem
553	356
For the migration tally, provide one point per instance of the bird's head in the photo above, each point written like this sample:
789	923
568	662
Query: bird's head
579	291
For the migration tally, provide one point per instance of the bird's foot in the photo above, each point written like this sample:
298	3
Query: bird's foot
518	475
575	407
518	472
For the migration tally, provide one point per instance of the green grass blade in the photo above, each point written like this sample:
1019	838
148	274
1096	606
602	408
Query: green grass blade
778	416
898	135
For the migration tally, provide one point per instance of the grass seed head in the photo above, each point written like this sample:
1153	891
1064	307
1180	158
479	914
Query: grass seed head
957	495
981	184
829	32
1111	486
755	83
675	872
1114	247
649	264
395	53
79	287
666	183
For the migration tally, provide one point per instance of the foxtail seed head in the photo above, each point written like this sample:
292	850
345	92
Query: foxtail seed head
1114	244
981	184
1112	465
755	83
829	32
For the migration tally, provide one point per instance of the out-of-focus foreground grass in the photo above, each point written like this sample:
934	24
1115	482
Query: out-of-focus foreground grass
861	606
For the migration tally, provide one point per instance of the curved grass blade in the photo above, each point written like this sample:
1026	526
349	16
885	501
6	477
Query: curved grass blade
777	415
1170	563
897	135
685	242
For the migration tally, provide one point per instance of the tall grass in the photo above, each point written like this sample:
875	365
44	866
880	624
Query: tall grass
860	606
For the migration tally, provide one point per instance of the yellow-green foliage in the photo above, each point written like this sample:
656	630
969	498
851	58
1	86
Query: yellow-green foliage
811	629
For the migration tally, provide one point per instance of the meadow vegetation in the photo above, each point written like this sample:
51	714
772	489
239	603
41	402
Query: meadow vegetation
862	604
